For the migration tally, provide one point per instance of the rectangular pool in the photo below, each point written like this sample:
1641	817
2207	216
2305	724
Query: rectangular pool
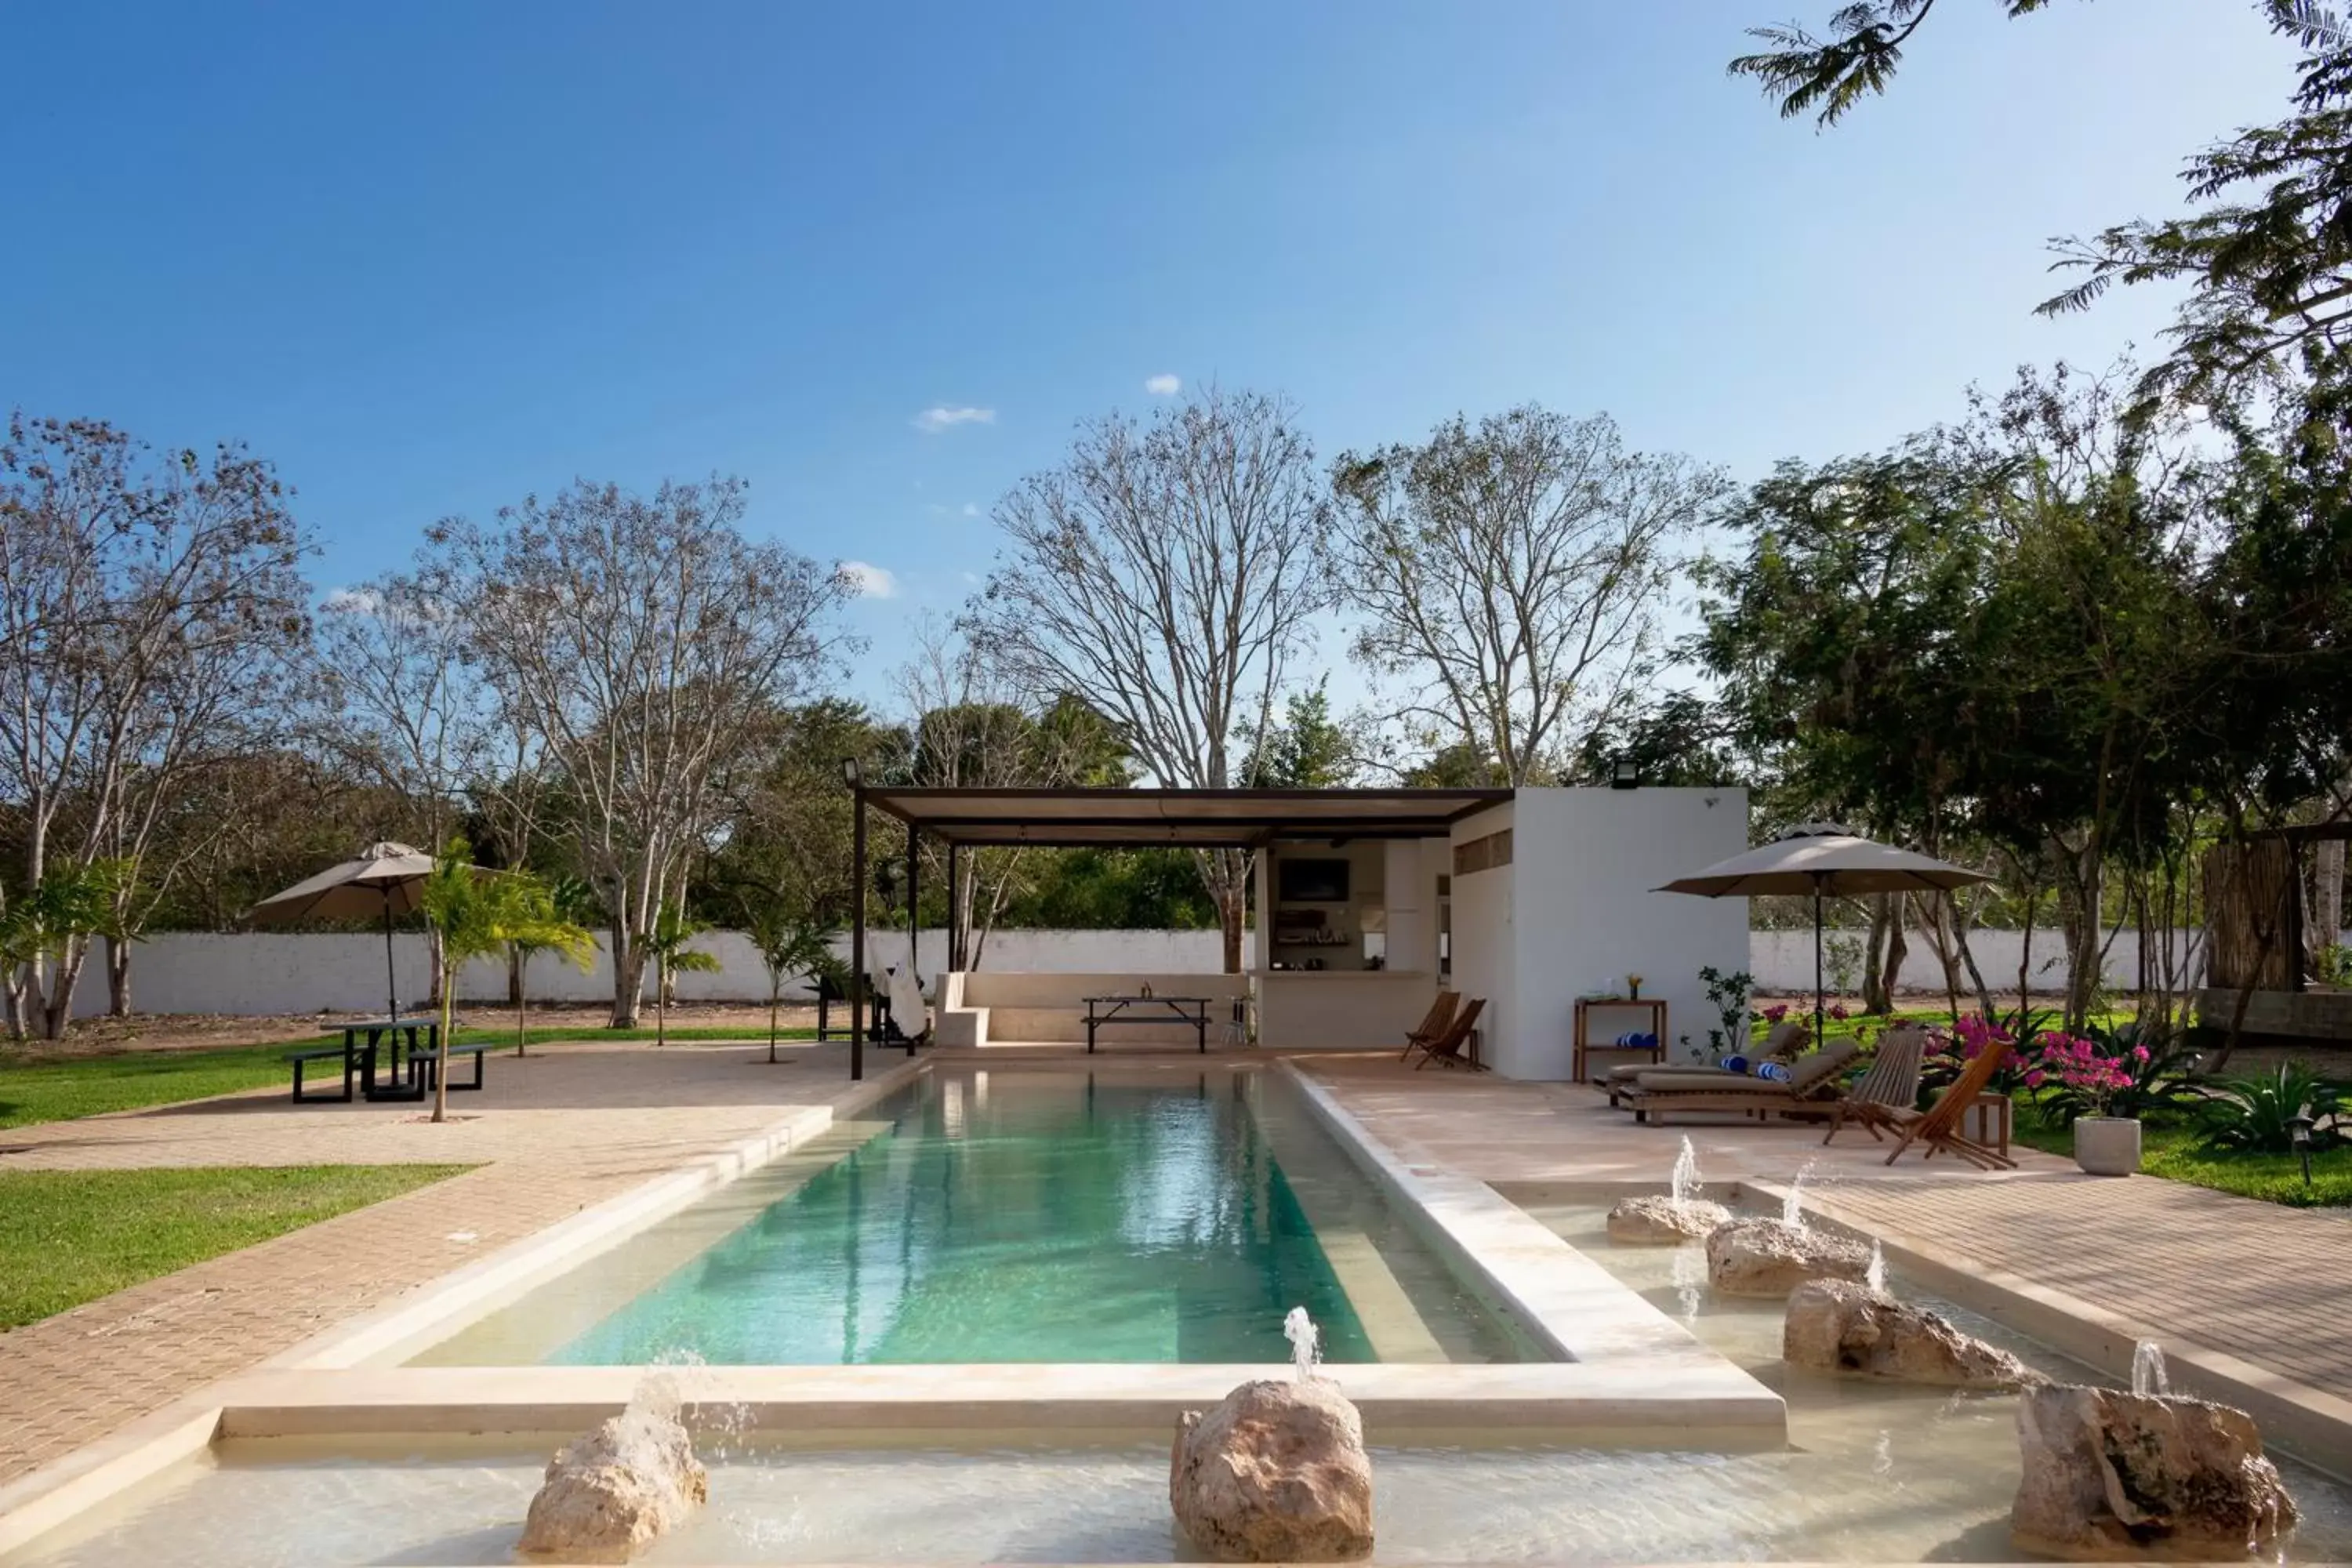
1022	1215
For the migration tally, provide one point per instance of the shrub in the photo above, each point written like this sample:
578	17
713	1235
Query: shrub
2255	1115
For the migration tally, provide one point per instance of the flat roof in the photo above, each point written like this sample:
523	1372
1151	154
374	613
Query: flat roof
1194	818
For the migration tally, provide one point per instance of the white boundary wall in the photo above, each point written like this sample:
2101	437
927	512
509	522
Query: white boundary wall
277	972
283	972
1782	961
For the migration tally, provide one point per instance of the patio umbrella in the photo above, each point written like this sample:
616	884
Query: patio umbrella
1823	859
386	878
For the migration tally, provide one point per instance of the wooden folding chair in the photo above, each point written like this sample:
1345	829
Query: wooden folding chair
1939	1126
1887	1090
1440	1014
1452	1047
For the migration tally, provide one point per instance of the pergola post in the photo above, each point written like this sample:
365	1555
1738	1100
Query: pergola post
856	919
914	927
955	909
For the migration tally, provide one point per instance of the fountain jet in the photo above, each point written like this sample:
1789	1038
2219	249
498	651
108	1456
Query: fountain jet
1305	1343
2149	1373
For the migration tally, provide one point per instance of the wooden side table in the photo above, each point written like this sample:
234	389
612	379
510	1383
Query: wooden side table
1987	1120
1582	1045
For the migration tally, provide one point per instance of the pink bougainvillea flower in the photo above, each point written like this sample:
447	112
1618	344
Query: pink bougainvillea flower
2035	1080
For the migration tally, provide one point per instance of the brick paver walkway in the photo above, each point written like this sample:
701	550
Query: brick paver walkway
2182	1264
553	1133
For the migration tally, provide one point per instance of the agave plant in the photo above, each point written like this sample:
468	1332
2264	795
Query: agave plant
2257	1115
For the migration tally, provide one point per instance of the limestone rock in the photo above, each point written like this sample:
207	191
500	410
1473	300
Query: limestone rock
2112	1475
1655	1220
1767	1258
608	1494
1274	1472
1834	1326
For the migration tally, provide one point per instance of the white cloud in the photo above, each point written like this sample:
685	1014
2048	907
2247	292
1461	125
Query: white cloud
352	602
1164	385
870	581
972	509
931	421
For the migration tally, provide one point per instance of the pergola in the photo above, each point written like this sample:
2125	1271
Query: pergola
1119	818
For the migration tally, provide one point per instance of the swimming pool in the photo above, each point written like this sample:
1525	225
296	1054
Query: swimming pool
1022	1215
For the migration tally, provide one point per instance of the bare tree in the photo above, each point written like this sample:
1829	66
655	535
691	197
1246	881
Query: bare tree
969	727
1515	574
1167	576
147	606
651	646
401	705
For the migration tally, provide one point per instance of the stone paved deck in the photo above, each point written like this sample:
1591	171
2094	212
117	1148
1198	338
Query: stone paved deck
554	1134
2182	1264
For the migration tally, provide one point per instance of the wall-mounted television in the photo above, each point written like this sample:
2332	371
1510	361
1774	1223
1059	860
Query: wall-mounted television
1313	881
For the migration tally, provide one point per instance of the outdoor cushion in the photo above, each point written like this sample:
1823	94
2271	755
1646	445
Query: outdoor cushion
1810	1071
1709	1083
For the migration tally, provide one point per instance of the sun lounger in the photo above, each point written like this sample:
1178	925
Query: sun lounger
1939	1126
1440	1014
1889	1089
1451	1048
1811	1089
1784	1042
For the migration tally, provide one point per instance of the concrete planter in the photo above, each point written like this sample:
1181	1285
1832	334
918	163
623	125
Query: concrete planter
2107	1145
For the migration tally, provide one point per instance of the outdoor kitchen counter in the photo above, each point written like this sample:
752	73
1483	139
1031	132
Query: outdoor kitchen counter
1340	1009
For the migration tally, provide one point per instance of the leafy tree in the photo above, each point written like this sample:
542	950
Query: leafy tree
665	947
1679	740
1309	750
477	913
786	833
1513	574
2267	261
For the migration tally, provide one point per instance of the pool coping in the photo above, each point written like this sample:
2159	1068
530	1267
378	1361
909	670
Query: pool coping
39	1500
1655	1380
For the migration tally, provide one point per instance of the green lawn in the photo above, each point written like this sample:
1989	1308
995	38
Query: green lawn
2170	1150
58	1089
70	1236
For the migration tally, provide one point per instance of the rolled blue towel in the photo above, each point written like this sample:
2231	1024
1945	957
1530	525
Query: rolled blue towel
1734	1064
1773	1072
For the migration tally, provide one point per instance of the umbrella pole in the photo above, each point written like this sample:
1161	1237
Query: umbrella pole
391	979
1820	1037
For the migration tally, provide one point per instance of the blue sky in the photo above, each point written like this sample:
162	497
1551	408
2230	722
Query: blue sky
434	257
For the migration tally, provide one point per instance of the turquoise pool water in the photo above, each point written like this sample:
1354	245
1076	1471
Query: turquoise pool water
1022	1216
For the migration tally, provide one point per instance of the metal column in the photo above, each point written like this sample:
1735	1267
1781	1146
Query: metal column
858	933
914	930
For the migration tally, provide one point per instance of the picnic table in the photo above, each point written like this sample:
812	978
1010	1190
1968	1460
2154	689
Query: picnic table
404	1049
1193	1010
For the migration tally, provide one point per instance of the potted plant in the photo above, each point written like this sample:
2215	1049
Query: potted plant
2089	1077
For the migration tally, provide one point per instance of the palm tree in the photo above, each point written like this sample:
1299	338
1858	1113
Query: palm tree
666	945
477	912
569	901
789	944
